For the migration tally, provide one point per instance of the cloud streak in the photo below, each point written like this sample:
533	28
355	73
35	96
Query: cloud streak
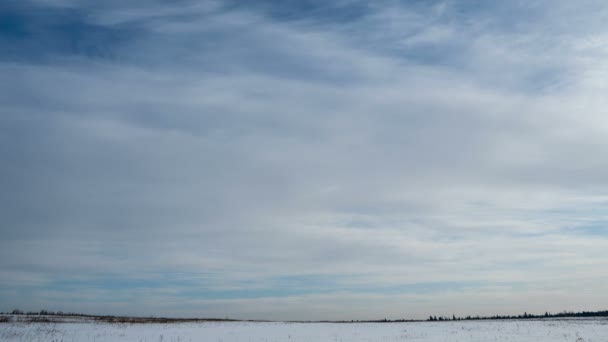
265	161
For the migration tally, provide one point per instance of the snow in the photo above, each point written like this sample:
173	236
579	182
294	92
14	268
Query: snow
575	330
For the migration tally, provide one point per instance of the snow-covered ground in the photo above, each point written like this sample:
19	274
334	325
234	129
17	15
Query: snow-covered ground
575	330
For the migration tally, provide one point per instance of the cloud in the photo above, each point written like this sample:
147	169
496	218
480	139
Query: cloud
218	151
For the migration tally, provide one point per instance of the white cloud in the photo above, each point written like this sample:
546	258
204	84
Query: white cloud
252	149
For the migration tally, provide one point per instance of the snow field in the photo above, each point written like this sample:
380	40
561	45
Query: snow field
553	330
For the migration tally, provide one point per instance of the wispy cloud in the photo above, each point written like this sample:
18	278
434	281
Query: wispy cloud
277	161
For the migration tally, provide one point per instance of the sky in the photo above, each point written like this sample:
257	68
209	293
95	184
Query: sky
303	160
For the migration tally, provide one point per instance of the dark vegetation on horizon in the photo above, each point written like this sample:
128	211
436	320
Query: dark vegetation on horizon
55	317
45	316
524	316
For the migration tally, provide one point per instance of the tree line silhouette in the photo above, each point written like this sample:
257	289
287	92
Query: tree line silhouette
525	315
431	318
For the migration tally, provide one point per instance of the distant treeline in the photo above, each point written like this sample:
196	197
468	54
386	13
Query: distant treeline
48	316
44	313
525	315
126	319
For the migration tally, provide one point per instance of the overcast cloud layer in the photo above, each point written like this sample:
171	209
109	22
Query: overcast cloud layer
303	159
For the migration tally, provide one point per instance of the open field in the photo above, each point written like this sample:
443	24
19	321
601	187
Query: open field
78	329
